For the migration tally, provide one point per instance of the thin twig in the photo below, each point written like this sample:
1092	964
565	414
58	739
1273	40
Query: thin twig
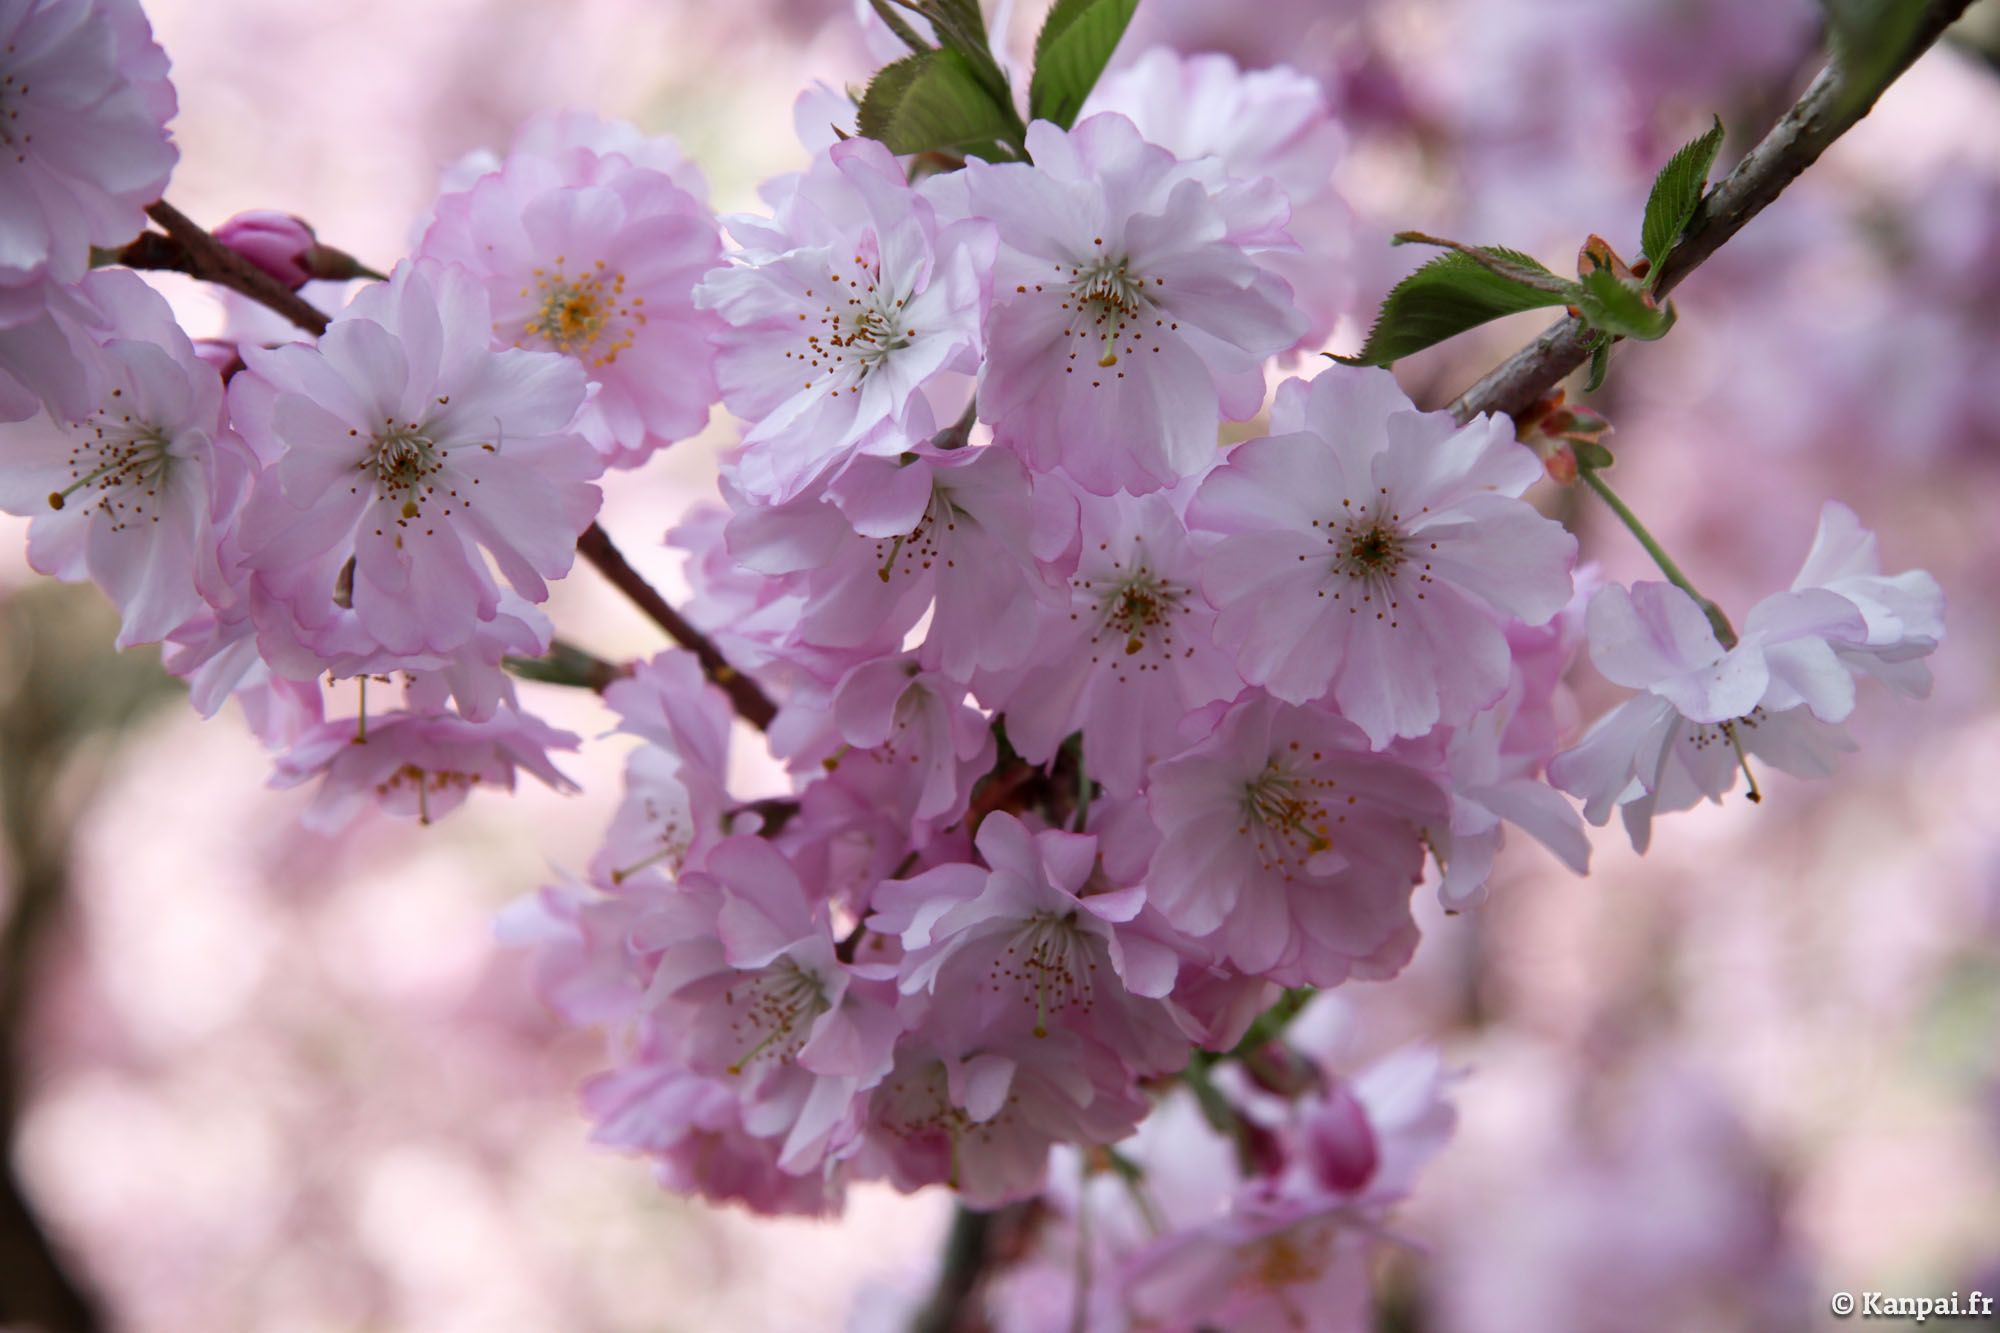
752	704
212	261
1818	118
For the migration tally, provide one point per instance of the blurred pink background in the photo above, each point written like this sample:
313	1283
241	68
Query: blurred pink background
286	1083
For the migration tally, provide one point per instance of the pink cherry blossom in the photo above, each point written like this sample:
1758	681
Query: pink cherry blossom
135	495
1705	709
692	1128
84	102
1128	657
1127	317
416	765
48	341
1038	943
840	311
676	799
922	725
1368	550
981	1116
965	534
595	258
1271	123
1289	847
278	243
750	982
403	447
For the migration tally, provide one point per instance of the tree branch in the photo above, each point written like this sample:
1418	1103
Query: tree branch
752	704
212	261
1826	111
975	1242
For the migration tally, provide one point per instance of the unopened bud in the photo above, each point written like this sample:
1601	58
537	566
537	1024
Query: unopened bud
1340	1143
285	248
277	243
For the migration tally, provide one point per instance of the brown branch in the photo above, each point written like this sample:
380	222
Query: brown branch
752	704
977	1241
212	261
1826	111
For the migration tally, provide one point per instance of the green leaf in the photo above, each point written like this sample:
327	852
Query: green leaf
1868	40
1590	454
1677	193
932	101
1076	41
1621	308
1509	264
1600	363
1447	296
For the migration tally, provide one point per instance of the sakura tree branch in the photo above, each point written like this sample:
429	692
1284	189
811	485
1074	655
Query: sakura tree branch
210	260
1829	108
976	1240
752	704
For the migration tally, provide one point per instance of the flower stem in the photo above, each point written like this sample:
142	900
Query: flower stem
1716	620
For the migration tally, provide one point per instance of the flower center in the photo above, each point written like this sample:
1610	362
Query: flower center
1372	550
405	460
425	781
1049	961
121	463
585	316
917	550
1136	612
1109	307
854	332
1285	817
773	1011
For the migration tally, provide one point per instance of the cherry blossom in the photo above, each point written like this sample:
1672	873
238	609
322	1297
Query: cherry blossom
402	447
1291	845
1035	943
1128	657
593	257
1127	316
134	495
1261	124
1368	549
839	312
416	765
84	102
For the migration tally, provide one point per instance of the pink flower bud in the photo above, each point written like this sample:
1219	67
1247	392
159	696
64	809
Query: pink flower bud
1340	1143
278	243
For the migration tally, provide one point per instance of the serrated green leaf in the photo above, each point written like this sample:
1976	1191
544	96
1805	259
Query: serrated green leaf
1621	308
1510	264
1444	298
932	101
1677	193
1868	40
1076	41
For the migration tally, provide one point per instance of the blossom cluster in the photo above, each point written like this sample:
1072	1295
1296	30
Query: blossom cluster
1102	734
